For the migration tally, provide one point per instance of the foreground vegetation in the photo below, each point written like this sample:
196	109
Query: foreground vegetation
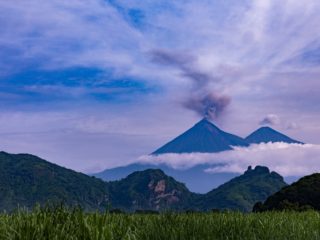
75	224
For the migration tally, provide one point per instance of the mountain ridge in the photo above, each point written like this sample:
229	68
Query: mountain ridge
241	193
154	190
195	177
149	189
204	136
268	134
27	179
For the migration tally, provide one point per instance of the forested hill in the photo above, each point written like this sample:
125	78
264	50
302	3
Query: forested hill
301	195
241	193
26	179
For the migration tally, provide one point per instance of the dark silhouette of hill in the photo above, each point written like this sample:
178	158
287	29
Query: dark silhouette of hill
26	180
301	195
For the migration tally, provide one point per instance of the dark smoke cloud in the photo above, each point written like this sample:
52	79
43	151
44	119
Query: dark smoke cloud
210	106
202	99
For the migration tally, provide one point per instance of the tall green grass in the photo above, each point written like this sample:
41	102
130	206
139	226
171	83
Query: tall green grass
62	223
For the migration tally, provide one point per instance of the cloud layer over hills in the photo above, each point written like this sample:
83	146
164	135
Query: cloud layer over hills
286	159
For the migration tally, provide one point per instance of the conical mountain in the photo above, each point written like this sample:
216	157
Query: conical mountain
203	137
267	134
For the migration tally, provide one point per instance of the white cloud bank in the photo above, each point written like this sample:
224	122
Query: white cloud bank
286	159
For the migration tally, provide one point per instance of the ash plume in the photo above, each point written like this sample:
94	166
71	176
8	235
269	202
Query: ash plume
202	99
270	119
209	106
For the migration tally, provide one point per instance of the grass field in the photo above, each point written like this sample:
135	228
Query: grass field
65	224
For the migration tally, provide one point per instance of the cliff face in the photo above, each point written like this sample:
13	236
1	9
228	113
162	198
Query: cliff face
150	189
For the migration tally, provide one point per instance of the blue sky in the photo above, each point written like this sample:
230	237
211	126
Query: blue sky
79	84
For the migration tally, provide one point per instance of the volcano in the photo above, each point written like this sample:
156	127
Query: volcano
267	134
203	137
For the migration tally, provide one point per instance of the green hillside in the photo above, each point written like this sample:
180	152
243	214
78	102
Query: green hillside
241	193
26	179
301	195
150	189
